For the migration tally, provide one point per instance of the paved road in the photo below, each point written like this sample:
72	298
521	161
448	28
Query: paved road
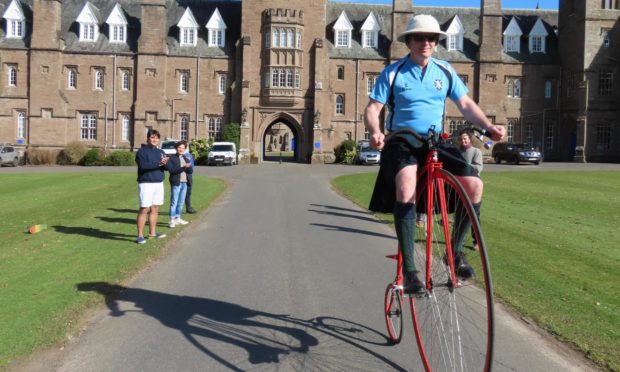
280	274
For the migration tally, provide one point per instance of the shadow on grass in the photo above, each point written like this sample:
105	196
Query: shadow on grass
351	230
92	232
130	221
264	337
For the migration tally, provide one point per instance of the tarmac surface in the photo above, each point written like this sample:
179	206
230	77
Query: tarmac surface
280	274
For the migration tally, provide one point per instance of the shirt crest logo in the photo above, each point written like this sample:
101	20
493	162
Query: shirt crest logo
438	84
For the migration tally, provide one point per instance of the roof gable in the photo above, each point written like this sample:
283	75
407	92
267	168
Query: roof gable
89	14
539	29
117	16
513	28
456	27
216	21
14	11
371	24
343	22
187	20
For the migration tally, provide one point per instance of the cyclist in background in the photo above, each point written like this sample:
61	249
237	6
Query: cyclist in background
415	89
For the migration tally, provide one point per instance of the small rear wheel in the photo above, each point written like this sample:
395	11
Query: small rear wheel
394	312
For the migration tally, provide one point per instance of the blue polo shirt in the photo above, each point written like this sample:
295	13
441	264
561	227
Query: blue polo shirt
419	98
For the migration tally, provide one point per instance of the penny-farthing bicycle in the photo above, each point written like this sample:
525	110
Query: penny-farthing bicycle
453	318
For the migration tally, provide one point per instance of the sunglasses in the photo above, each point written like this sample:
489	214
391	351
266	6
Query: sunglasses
423	37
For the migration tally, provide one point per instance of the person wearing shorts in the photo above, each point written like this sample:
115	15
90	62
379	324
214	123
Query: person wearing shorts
151	162
415	89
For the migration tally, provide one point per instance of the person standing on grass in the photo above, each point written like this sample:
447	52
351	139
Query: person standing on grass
473	156
151	162
180	167
190	180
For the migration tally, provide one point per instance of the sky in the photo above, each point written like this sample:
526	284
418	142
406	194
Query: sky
520	4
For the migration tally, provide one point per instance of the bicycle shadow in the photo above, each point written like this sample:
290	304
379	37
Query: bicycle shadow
352	230
265	337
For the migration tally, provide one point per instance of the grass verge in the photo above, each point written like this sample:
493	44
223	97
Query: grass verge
90	236
553	246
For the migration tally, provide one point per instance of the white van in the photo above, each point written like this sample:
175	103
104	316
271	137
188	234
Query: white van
169	146
223	153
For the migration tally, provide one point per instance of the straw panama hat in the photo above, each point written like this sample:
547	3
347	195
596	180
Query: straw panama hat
424	24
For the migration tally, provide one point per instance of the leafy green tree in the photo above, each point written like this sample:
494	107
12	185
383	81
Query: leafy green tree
199	148
345	152
232	133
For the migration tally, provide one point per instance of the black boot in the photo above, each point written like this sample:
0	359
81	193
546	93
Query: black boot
411	283
462	268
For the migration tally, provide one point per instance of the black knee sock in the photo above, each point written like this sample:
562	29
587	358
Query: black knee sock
404	223
459	231
477	210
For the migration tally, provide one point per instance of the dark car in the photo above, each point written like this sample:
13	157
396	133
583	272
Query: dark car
515	153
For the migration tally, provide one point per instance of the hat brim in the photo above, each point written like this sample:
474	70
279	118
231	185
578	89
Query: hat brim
401	37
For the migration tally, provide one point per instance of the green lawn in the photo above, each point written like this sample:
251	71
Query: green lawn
90	236
553	243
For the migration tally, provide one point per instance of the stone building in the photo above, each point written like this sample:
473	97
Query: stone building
103	72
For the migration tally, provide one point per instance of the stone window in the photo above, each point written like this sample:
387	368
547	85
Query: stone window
125	80
216	38
605	83
183	82
12	76
117	33
548	89
71	78
214	129
125	128
511	123
369	39
603	136
340	104
340	73
88	127
513	85
606	38
610	4
221	84
456	124
549	131
464	78
21	125
184	128
285	78
99	79
370	83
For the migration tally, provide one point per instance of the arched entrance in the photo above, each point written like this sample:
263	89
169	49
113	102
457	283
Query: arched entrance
281	142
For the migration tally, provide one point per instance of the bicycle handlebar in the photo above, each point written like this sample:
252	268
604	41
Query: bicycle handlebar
481	134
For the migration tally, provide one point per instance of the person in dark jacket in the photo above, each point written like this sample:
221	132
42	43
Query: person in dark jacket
151	163
180	167
190	180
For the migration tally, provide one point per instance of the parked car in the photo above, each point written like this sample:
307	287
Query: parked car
168	145
368	155
515	153
222	153
8	155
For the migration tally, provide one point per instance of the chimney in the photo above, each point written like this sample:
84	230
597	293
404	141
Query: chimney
490	31
402	6
46	24
153	27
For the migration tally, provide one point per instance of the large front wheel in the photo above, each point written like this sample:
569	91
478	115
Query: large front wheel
454	321
394	312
